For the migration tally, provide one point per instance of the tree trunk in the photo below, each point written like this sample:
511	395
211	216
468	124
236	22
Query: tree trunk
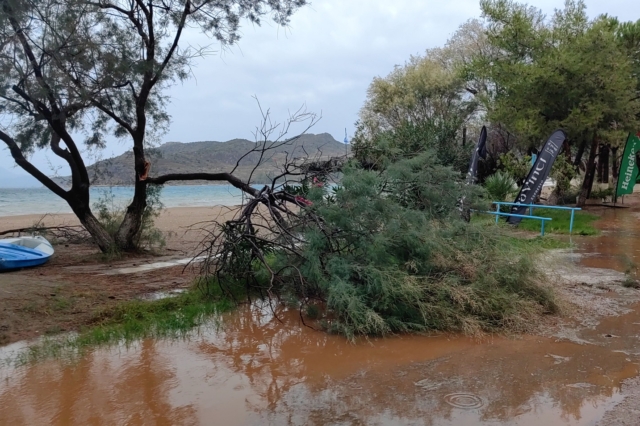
614	163
589	174
604	160
566	147
78	200
104	241
580	153
600	165
132	223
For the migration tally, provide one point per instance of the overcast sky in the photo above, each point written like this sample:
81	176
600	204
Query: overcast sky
325	60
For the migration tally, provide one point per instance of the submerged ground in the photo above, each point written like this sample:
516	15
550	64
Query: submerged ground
255	366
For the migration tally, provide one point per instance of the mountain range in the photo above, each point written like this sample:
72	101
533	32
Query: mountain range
215	157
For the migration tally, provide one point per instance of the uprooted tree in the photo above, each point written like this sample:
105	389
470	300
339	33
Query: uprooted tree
73	71
381	250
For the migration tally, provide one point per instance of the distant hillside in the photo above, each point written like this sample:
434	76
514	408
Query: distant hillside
215	157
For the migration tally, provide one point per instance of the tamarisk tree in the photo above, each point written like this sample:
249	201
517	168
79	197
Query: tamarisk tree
74	71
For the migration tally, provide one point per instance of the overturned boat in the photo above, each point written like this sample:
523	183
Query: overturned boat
24	252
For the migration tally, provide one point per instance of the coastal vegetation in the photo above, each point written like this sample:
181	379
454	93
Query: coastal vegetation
372	242
130	321
75	71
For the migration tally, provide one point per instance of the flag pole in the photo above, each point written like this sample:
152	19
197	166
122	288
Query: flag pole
346	143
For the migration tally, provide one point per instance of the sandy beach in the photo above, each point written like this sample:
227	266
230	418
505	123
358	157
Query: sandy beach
183	227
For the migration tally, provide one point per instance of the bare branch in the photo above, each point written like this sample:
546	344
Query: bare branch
20	160
228	177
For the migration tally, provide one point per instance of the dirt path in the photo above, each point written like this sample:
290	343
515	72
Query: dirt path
67	292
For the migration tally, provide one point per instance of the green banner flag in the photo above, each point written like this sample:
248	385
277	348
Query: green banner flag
628	167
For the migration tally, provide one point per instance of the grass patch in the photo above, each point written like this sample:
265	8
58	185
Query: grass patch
546	242
133	320
560	220
630	282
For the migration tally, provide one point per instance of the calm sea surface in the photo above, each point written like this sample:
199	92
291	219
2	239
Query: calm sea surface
14	201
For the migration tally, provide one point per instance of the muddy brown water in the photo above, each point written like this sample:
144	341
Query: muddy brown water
257	369
618	245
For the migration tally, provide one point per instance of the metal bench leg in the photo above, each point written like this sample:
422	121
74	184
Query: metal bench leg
571	223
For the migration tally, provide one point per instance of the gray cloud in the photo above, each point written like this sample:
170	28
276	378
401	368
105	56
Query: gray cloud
325	59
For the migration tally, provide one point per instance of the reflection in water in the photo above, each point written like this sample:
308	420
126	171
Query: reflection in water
618	246
263	369
259	370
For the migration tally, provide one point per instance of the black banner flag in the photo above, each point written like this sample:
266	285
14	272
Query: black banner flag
538	175
480	151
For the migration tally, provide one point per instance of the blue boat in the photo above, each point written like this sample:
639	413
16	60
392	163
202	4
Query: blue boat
24	252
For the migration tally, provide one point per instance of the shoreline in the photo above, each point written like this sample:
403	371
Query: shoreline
183	228
183	214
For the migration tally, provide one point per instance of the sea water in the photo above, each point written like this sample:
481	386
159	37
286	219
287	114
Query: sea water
16	201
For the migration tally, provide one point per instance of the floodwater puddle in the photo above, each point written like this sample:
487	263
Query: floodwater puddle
618	245
259	369
255	367
159	295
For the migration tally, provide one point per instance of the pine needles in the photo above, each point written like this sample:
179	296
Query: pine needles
386	253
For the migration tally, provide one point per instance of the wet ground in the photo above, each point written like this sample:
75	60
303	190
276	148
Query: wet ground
72	289
257	367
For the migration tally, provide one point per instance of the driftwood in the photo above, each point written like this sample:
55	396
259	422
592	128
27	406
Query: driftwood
70	233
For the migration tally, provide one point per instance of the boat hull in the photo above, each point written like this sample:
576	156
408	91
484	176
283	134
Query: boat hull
18	253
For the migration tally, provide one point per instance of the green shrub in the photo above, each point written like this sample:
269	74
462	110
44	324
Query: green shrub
598	193
110	215
516	167
500	186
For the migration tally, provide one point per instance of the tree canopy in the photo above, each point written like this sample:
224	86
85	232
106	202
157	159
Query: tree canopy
564	72
73	71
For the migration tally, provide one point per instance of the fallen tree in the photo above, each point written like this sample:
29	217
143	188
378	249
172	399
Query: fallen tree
383	250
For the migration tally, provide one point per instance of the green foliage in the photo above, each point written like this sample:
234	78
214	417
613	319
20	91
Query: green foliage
500	186
514	166
565	71
111	215
422	104
630	282
425	89
563	172
131	321
600	194
560	220
390	255
97	71
410	139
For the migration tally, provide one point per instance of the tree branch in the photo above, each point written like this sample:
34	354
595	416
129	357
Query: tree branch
245	187
18	157
176	39
30	55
